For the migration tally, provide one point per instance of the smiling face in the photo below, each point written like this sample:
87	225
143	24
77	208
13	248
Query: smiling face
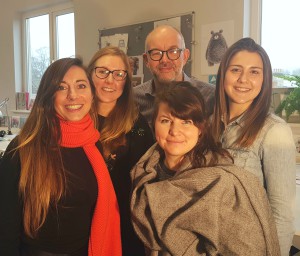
108	90
175	136
165	70
243	81
74	97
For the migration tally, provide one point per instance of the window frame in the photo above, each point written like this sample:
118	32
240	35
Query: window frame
53	12
253	19
253	11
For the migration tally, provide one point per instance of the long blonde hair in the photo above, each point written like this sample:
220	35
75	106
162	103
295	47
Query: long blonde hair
121	119
43	178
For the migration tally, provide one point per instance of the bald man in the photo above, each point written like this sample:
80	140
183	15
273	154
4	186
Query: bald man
165	56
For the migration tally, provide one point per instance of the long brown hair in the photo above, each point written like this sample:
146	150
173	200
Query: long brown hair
43	178
255	116
186	103
121	119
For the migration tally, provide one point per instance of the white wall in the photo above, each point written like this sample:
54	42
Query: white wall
91	15
103	14
7	76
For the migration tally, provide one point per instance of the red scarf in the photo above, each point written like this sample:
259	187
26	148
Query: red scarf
105	236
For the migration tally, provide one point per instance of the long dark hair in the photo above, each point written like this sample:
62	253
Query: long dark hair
42	179
185	102
257	112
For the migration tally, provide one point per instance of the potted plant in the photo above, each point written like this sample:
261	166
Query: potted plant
291	103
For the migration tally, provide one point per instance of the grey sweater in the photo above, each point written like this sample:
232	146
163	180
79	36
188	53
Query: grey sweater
145	95
219	210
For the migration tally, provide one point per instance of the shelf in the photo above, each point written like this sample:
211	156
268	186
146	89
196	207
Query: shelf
19	111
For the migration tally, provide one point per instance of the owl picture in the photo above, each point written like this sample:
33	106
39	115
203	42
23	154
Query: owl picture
216	48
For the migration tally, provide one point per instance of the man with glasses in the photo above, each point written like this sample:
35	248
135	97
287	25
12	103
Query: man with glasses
165	55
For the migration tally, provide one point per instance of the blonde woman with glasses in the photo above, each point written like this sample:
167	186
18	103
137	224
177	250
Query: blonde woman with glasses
124	133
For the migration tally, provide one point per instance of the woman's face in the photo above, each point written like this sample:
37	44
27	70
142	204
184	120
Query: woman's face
175	136
243	80
108	89
73	99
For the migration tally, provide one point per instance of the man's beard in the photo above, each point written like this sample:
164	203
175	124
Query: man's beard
160	84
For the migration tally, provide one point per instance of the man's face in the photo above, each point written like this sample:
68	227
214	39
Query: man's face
166	70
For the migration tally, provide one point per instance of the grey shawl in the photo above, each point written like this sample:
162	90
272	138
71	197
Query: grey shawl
221	210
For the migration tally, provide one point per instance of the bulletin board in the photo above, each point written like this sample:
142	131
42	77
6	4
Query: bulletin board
136	34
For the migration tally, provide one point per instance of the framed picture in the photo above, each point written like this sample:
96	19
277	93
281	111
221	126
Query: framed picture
136	80
136	64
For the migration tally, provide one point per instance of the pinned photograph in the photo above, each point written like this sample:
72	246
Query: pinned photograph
136	64
136	80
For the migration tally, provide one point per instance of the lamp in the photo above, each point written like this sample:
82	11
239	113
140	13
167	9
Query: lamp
4	104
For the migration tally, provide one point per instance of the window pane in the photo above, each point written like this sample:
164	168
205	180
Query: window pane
280	36
65	35
38	51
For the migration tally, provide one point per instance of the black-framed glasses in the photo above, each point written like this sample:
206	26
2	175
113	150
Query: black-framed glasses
172	54
102	73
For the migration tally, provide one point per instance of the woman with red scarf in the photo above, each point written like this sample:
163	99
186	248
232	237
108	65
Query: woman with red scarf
56	195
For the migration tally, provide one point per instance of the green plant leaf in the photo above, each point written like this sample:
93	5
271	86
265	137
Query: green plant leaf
291	103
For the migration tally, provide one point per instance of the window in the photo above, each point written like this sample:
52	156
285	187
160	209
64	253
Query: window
273	24
49	35
280	36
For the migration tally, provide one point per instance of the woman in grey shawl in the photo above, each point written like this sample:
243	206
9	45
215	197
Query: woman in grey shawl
188	197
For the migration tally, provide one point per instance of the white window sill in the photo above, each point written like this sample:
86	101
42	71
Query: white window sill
19	111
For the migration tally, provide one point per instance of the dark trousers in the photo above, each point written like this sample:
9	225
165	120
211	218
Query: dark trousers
31	251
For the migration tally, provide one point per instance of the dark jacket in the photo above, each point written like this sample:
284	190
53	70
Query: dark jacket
139	140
